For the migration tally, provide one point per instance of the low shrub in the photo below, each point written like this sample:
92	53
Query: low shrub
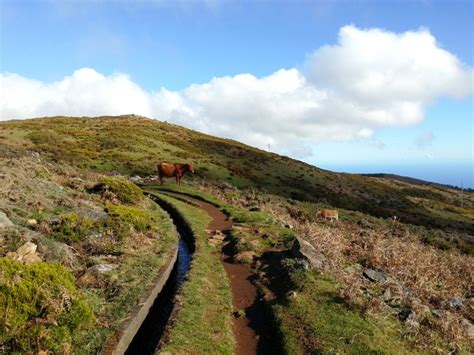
40	306
125	191
124	220
72	228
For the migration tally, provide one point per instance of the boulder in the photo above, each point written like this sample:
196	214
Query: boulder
4	221
375	276
304	250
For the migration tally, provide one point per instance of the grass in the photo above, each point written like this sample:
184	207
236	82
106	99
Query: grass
317	320
134	145
203	323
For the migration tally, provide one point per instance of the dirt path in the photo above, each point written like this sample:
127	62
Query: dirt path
250	329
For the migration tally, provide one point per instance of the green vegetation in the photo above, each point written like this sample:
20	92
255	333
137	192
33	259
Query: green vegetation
72	228
134	145
75	230
127	220
125	191
330	325
40	306
270	198
203	324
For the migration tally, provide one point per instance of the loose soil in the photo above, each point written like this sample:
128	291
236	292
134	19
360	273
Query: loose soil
252	330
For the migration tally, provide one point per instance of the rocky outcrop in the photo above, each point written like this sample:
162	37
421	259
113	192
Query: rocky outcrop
304	250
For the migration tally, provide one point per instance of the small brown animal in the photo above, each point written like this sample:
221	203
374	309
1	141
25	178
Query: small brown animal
174	169
332	215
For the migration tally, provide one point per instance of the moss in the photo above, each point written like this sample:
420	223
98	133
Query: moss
125	191
72	228
125	220
40	307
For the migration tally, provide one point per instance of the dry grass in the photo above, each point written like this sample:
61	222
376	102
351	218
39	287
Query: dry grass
422	278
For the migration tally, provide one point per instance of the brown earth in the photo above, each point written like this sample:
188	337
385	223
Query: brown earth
251	329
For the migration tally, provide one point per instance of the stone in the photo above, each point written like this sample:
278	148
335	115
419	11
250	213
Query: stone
4	221
102	268
136	179
455	303
32	222
25	254
468	328
35	155
375	276
90	277
303	250
387	294
94	214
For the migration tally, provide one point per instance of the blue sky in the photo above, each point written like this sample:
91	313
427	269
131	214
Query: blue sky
164	48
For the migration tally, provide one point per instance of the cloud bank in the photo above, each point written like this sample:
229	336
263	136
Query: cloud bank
370	79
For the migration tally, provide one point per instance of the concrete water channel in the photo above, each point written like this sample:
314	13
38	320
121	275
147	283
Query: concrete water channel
147	339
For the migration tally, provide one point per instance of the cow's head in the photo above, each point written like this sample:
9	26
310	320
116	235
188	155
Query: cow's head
191	168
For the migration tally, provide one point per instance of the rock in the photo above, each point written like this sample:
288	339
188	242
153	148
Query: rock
25	254
35	155
468	328
375	276
4	221
455	303
102	268
304	250
387	294
94	214
90	277
136	179
32	222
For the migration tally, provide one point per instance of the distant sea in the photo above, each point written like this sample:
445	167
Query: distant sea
449	174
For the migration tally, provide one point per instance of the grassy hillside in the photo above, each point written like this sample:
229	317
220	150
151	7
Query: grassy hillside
133	145
60	189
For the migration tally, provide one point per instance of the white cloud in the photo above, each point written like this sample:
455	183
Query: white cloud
370	79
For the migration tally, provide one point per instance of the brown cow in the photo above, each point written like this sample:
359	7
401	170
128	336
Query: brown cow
175	169
332	215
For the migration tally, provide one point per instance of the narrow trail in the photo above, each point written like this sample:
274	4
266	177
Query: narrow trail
251	329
